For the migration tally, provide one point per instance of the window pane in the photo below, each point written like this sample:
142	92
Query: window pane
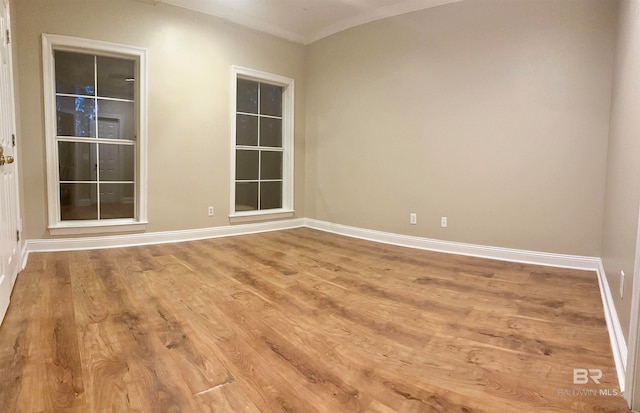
116	120
76	116
247	165
77	161
116	77
270	195
246	196
270	100
271	132
116	162
271	166
247	130
247	97
74	73
116	201
78	202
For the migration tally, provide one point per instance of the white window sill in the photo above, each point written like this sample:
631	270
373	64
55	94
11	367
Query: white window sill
255	216
97	227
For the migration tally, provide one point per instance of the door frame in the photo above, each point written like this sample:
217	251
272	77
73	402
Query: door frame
632	373
20	251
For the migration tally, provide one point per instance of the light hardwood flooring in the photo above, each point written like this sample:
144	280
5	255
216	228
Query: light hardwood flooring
300	321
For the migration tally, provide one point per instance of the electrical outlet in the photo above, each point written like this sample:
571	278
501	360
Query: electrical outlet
443	222
413	218
210	211
621	283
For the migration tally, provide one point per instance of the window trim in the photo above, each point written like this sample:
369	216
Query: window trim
51	43
288	94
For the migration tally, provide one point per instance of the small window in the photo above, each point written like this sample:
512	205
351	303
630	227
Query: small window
96	145
262	142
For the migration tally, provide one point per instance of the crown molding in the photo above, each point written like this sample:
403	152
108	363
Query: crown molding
243	19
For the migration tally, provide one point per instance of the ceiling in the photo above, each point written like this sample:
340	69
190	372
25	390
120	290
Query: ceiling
304	21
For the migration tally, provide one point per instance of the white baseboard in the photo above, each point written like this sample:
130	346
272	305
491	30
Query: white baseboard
618	343
130	240
482	251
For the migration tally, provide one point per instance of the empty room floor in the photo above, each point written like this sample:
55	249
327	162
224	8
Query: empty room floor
301	321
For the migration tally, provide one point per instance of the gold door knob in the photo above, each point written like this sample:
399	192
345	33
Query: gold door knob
5	159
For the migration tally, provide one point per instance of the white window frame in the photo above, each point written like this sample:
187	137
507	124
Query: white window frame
288	94
51	43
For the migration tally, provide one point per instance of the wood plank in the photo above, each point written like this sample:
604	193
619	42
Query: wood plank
301	321
46	362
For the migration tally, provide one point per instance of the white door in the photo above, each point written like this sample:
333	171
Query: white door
9	244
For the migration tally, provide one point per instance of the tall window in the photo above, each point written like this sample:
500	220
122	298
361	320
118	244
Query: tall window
263	145
95	142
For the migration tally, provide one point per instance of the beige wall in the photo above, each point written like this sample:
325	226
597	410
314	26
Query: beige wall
493	113
190	58
623	172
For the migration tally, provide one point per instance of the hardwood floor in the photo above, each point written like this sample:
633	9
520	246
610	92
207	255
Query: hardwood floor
300	321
